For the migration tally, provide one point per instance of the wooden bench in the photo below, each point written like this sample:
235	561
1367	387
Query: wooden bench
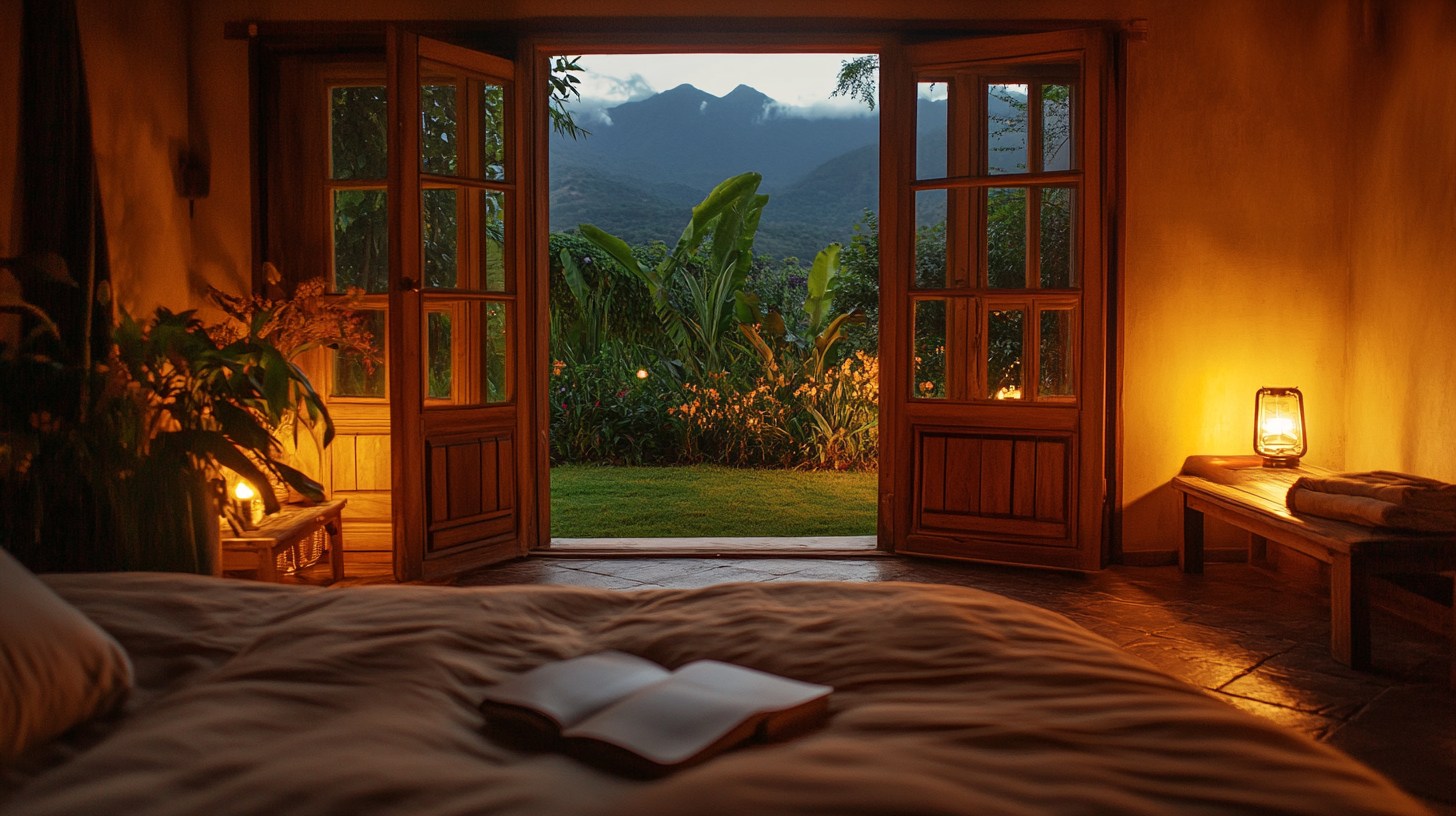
1240	491
290	527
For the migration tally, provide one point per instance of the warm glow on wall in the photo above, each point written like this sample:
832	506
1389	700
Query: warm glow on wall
1279	435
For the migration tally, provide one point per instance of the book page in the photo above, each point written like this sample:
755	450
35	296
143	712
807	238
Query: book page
568	691
702	702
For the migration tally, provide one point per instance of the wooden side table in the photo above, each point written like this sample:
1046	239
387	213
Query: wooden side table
1240	491
259	549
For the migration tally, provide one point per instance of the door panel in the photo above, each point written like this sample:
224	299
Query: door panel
995	483
472	491
458	275
993	358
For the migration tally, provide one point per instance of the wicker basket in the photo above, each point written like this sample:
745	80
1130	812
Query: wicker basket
304	554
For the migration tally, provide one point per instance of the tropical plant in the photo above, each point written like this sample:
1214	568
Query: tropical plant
119	466
824	329
722	227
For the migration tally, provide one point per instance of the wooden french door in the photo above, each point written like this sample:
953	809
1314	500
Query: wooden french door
992	280
461	386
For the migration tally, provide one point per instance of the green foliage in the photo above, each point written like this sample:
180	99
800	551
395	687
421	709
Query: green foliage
601	411
858	78
563	90
721	229
822	329
125	455
859	284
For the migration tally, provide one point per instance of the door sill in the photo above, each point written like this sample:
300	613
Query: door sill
715	547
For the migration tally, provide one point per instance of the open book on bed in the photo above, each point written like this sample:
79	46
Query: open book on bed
634	716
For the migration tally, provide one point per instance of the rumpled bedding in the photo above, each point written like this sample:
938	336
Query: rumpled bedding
263	699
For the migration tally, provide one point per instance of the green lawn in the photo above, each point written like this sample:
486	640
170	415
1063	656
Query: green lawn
590	501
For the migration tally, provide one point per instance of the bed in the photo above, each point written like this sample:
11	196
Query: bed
264	699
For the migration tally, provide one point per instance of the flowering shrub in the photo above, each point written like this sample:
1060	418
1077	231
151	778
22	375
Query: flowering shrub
793	420
603	411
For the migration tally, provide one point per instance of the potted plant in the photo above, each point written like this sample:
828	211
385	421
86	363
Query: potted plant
118	465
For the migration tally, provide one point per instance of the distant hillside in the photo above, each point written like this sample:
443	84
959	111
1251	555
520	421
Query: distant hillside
687	136
639	177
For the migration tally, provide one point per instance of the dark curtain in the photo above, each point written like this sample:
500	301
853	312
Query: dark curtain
56	518
60	207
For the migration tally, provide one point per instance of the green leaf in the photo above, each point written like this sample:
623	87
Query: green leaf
300	482
574	279
242	427
821	286
745	308
216	447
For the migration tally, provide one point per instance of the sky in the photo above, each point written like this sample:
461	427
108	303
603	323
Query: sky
800	82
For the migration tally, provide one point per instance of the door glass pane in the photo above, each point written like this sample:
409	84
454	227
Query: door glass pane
1056	127
497	386
1006	237
438	217
929	350
492	132
356	375
1054	354
438	130
357	132
930	211
1006	128
1004	353
437	364
361	240
1056	238
492	209
932	111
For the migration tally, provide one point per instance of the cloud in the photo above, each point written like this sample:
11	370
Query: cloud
824	109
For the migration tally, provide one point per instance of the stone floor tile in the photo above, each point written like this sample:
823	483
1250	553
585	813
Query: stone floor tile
1314	725
1313	692
1409	734
1209	668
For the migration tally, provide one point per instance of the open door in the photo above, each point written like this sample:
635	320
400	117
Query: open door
461	385
992	280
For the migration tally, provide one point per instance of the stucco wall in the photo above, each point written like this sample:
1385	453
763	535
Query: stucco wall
1402	340
1237	270
136	70
1246	235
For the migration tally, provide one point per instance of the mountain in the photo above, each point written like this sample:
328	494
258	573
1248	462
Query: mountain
690	137
639	176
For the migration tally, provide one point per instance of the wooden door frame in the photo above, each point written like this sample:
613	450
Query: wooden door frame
542	47
266	39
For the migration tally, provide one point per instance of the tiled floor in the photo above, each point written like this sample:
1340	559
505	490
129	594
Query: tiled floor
1248	635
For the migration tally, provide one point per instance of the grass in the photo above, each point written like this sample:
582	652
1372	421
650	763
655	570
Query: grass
591	501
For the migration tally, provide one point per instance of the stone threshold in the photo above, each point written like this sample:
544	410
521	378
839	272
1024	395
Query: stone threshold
715	546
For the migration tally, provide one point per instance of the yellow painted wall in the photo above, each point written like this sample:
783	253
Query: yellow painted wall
1252	259
136	71
1401	384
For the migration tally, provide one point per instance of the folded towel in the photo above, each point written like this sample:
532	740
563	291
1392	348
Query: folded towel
1395	488
1367	511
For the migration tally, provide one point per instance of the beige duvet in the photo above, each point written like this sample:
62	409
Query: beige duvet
263	699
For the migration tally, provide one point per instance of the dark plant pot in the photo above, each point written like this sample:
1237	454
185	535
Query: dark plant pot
166	520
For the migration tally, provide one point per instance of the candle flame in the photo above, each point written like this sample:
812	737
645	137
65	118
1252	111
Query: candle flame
244	491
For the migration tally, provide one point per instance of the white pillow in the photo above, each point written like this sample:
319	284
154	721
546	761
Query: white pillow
57	668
